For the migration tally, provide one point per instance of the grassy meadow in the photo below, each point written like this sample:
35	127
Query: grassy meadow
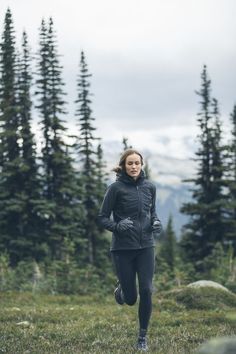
181	321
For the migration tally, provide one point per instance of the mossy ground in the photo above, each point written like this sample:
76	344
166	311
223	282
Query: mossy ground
71	324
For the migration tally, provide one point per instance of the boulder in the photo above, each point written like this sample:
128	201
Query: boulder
203	297
207	283
221	345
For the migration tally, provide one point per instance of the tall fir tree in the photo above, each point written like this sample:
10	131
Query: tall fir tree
43	93
231	184
62	206
31	214
218	168
102	242
168	246
101	175
125	142
11	201
91	166
147	169
206	224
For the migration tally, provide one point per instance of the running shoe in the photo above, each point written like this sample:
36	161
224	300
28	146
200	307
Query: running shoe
142	344
119	297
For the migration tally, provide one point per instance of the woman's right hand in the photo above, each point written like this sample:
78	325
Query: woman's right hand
124	225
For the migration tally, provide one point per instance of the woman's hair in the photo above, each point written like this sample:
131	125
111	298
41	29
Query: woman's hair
123	157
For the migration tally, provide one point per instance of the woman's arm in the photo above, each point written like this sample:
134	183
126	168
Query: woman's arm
107	208
153	206
156	223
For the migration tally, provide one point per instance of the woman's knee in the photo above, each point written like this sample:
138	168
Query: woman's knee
145	292
130	300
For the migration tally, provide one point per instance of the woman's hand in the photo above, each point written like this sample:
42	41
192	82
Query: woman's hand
156	226
124	225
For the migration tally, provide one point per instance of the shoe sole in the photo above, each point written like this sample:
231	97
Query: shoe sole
118	297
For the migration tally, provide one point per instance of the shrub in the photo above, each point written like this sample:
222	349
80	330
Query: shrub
57	277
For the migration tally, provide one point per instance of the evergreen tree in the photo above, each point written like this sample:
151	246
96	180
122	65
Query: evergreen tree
147	170
169	266
168	246
217	264
62	209
31	241
125	143
218	168
11	202
231	184
43	92
101	175
102	241
91	166
206	224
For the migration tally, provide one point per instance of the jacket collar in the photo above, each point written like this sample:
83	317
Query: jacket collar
123	177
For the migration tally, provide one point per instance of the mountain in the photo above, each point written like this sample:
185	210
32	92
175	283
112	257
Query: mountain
169	202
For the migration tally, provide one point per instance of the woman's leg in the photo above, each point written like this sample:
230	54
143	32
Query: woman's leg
145	264
124	262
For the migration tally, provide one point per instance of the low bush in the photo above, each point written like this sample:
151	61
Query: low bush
56	277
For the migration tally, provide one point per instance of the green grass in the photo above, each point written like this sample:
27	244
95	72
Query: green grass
71	324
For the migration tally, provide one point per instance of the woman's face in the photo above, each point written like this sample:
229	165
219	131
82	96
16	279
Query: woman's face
133	165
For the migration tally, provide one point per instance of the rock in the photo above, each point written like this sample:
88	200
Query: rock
221	345
207	283
23	324
16	309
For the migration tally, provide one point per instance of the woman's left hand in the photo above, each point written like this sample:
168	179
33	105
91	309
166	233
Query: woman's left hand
156	226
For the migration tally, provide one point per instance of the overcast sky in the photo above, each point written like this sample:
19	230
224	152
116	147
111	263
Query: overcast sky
146	57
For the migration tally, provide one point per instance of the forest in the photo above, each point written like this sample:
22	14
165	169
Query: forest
51	191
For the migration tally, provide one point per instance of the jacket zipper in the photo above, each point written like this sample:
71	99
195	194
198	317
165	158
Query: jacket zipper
139	214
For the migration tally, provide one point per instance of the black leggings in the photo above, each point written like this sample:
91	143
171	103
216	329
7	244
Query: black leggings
128	263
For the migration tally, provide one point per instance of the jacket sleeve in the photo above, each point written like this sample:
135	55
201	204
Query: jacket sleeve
154	216
107	208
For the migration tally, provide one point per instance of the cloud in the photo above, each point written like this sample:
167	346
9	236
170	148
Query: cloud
145	57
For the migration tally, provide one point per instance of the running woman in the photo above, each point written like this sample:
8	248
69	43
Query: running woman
131	200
